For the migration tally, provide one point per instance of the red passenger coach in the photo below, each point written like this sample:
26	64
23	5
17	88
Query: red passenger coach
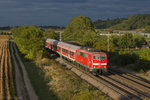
66	50
93	61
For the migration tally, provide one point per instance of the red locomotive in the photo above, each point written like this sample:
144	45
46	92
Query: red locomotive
95	62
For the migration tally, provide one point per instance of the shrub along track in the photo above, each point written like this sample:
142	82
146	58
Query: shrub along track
7	91
24	88
116	85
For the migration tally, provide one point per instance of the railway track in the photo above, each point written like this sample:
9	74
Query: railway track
127	85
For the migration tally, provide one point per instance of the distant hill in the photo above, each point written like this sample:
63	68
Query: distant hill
133	22
102	24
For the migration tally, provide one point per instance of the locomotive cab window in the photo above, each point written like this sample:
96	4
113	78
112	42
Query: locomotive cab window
102	56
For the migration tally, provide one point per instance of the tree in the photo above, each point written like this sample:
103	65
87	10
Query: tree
126	41
29	40
147	29
50	33
89	38
139	40
114	39
77	28
101	43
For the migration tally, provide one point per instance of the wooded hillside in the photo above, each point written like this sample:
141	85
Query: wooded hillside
133	22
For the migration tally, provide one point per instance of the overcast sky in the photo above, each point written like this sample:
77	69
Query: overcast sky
60	12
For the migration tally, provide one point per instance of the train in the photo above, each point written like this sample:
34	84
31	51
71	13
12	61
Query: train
91	60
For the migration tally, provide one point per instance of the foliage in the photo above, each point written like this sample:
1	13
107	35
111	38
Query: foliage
143	63
145	55
126	41
89	38
115	39
147	29
77	28
134	22
126	57
29	40
139	40
101	43
50	33
101	24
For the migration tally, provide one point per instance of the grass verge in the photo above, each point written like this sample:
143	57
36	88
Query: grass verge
51	81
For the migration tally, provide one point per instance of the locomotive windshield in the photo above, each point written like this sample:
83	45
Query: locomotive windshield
102	56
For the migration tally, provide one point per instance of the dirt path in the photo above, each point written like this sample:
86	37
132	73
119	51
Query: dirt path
20	87
30	91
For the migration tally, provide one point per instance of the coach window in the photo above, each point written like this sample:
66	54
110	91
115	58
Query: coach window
84	55
71	53
58	48
67	51
81	54
62	49
78	53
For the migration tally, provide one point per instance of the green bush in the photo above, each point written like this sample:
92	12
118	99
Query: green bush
124	58
29	40
147	29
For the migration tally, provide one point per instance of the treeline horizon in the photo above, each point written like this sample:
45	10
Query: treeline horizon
42	26
137	21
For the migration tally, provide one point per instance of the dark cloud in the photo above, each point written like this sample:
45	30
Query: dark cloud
64	1
59	12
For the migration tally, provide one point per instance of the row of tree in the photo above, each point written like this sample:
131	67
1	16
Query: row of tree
133	22
82	31
103	24
31	40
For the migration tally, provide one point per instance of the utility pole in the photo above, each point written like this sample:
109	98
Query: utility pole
60	39
60	36
108	42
